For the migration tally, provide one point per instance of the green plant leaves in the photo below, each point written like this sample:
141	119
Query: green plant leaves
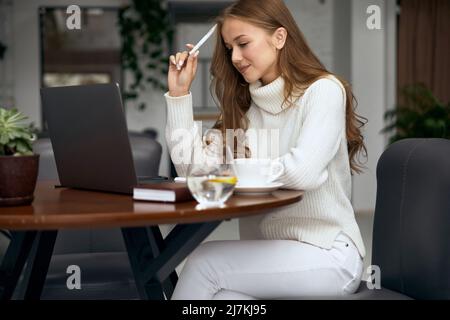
146	34
16	138
421	115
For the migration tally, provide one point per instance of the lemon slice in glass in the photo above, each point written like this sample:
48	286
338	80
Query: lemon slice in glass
228	180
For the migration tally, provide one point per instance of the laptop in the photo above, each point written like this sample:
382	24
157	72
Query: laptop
89	135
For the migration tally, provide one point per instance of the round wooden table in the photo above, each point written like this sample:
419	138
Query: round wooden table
56	208
152	257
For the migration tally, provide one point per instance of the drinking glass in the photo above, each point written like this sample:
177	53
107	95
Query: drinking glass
211	177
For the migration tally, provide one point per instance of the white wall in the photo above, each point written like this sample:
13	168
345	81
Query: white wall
342	38
373	78
315	20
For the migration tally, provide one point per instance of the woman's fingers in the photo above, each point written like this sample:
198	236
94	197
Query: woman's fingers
180	79
178	60
173	61
191	65
182	59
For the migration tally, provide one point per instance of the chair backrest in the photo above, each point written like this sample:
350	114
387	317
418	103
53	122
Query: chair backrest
146	154
411	233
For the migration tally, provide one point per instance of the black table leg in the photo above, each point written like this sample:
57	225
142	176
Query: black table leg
158	245
38	263
140	249
16	255
179	243
154	259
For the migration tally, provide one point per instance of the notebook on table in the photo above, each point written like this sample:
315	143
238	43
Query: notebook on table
162	191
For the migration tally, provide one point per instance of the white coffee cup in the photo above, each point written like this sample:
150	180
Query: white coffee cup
257	172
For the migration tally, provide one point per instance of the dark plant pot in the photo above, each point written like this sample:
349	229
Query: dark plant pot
18	177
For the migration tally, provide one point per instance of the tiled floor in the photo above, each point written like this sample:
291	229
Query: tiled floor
229	230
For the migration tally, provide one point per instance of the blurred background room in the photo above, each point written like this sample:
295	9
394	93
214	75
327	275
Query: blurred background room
382	47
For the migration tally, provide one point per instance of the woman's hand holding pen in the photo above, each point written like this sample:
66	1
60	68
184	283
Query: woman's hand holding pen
182	69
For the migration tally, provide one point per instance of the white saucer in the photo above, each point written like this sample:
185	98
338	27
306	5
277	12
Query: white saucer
258	189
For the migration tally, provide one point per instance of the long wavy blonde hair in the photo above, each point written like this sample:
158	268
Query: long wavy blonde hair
298	65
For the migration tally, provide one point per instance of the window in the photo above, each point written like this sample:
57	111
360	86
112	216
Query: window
76	57
89	55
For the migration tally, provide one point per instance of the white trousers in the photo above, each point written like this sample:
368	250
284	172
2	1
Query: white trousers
270	269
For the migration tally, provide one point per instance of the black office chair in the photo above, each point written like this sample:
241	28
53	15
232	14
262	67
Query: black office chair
100	253
411	232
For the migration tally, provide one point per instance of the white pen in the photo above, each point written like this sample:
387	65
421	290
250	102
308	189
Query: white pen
203	40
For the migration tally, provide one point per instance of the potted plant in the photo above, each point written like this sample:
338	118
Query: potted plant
420	115
18	165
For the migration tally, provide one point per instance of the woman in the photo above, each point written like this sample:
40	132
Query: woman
266	77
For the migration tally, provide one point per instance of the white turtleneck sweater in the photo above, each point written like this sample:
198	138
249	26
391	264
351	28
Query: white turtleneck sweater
312	146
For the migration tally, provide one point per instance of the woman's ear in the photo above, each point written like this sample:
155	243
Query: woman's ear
279	38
